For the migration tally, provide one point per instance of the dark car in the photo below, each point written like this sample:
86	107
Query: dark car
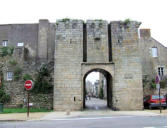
152	101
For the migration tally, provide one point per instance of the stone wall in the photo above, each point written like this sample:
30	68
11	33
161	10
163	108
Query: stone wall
4	30
97	41
43	39
15	88
68	59
127	87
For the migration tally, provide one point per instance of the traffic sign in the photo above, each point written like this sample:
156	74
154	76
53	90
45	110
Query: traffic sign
28	85
157	79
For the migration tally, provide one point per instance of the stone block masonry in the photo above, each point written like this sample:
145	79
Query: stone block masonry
126	75
127	89
76	48
68	59
97	41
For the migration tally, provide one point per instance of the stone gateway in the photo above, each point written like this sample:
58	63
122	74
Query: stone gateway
116	49
97	46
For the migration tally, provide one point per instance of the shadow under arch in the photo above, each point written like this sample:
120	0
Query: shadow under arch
108	77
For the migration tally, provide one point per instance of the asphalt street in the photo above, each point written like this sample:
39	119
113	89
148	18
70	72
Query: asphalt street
94	122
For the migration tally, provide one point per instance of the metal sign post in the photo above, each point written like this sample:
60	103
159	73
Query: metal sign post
28	86
157	80
160	99
28	106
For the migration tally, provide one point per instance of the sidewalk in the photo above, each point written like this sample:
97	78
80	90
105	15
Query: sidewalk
22	116
58	115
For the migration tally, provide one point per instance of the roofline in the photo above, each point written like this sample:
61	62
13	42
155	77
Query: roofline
159	42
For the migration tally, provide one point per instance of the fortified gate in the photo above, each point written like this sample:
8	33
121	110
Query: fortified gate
73	49
110	48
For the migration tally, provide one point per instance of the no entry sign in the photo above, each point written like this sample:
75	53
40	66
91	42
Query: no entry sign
28	85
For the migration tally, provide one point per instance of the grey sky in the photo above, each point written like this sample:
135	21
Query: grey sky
152	13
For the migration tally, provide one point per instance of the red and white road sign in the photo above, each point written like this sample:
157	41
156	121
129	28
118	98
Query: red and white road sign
157	80
28	85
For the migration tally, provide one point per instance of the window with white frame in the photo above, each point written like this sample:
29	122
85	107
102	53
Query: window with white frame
161	71
9	76
4	43
154	52
20	44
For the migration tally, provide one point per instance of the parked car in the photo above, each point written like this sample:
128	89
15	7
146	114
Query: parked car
152	101
166	97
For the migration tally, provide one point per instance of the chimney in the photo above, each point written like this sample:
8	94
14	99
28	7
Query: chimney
145	33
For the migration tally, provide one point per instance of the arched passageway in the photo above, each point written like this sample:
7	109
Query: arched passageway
97	95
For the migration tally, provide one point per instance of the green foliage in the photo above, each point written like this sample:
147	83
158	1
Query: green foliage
27	77
4	98
101	94
13	62
65	20
24	110
43	80
100	20
152	84
17	73
126	22
6	51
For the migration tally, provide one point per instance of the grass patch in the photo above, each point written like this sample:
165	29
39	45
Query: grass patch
23	110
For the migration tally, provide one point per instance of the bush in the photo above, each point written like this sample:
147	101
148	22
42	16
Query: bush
43	80
153	84
4	98
126	21
27	77
6	51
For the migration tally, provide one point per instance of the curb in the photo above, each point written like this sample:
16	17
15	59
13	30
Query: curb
8	120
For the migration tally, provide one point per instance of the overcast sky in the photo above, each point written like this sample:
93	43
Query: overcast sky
152	13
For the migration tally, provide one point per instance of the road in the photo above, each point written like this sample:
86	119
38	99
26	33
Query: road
94	122
96	104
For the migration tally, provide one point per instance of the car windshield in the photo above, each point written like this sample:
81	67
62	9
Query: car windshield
155	97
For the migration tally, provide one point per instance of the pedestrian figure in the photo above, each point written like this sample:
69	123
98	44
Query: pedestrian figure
86	97
89	96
